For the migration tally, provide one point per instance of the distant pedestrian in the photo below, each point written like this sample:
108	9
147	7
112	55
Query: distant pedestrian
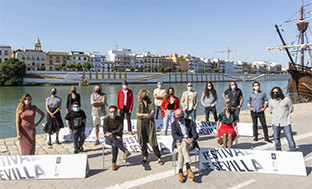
26	126
169	104
113	129
71	98
234	96
54	120
98	102
125	104
159	94
145	113
209	100
280	108
257	103
227	127
189	102
76	121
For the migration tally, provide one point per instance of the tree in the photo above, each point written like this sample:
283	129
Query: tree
41	67
178	70
167	69
114	68
215	70
161	69
206	70
153	68
87	65
61	66
70	65
50	68
78	66
131	68
12	72
123	69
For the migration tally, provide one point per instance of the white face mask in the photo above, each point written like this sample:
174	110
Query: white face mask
257	88
159	86
124	86
209	87
233	87
76	109
27	102
189	88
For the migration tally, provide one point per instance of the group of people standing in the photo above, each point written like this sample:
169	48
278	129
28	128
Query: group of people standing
167	104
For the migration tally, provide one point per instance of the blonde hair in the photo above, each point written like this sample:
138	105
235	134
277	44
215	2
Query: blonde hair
144	91
21	104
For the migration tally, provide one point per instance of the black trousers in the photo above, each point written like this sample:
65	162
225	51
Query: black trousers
145	133
128	115
261	116
213	110
78	137
236	112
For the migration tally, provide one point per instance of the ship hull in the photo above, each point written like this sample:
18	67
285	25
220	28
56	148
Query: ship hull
300	86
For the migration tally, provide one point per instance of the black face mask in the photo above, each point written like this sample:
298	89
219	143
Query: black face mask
98	91
275	95
73	91
144	98
53	93
180	118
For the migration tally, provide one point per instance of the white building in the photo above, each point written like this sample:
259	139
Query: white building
196	65
5	53
207	64
122	58
238	67
219	63
95	60
79	57
229	67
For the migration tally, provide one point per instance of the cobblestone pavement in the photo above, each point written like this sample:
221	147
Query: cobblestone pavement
155	176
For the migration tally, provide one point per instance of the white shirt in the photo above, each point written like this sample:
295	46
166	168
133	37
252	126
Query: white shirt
183	129
125	96
190	104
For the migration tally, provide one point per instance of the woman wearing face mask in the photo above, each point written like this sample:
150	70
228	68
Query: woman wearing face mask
227	127
169	104
25	125
54	119
209	100
146	125
280	108
71	98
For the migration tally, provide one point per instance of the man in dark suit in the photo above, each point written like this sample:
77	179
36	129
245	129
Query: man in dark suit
184	138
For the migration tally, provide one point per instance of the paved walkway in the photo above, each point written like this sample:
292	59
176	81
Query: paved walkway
156	176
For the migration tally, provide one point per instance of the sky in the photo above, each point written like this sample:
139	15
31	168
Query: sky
195	27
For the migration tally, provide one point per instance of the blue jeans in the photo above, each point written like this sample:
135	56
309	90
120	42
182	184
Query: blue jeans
78	134
169	116
115	143
157	110
192	113
288	134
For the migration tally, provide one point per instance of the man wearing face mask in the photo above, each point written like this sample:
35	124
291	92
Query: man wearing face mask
281	107
234	96
159	94
125	103
113	128
184	138
257	103
189	102
98	102
76	121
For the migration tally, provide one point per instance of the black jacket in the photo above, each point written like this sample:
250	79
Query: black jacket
177	133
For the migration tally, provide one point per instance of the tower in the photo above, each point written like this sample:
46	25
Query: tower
38	44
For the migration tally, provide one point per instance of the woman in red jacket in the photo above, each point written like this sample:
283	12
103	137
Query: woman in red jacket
169	104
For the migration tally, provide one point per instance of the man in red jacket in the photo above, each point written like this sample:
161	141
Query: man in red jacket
125	104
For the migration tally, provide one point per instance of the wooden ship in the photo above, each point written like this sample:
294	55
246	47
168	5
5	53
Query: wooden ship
299	85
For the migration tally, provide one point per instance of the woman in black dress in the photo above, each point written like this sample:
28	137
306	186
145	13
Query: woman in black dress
71	98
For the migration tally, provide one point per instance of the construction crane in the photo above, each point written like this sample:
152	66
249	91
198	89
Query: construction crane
228	51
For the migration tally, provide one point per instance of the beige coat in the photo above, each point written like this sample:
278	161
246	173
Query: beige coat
152	140
184	100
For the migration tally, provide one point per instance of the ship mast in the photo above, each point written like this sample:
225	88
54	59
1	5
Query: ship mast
302	27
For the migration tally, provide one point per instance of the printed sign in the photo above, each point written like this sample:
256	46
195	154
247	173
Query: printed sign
255	161
209	128
43	167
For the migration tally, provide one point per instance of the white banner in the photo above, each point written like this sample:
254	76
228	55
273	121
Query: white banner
255	161
209	128
43	167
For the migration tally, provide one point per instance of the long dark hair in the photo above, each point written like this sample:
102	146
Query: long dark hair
168	95
213	91
235	85
280	92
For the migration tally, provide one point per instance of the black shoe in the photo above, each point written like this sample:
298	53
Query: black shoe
81	149
57	141
49	143
97	142
255	139
268	140
76	151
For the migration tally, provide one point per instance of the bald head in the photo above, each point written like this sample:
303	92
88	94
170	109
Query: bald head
178	112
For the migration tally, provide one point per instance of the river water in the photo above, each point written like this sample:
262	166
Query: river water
10	96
